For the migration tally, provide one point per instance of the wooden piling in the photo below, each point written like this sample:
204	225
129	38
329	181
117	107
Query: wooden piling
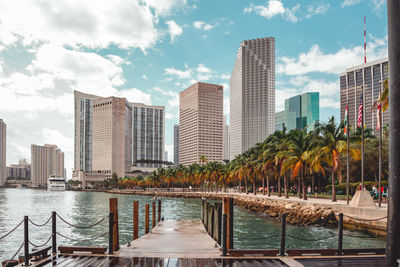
153	214
228	210
113	202
135	220
212	221
147	219
159	211
207	205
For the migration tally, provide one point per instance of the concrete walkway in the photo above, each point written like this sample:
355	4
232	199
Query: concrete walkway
174	239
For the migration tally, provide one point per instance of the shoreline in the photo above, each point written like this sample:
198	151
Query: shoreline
298	212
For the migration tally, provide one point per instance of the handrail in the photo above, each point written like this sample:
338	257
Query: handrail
12	230
40	225
80	227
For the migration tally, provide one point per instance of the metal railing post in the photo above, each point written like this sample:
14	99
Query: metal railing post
54	231
110	233
224	239
340	237
283	235
26	240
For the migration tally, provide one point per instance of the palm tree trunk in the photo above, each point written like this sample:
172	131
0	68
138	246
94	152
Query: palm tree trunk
263	184
279	186
304	184
245	184
240	185
254	185
333	186
285	185
269	191
298	187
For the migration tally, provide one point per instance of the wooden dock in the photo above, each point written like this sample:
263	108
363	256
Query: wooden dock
174	239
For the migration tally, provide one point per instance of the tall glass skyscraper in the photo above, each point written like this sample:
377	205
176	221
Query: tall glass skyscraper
252	94
301	111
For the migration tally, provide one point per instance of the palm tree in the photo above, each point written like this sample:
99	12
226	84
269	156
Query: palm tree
331	144
203	159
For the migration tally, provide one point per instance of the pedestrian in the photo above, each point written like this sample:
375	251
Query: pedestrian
309	191
375	191
316	191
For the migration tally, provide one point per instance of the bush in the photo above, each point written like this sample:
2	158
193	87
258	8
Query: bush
353	186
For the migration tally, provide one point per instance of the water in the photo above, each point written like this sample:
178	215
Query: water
83	208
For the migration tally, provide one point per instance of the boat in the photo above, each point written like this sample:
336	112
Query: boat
56	183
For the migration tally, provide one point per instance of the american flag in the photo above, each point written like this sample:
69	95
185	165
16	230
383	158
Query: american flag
360	112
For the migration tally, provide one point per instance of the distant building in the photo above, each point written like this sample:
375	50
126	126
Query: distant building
46	160
22	170
147	128
148	136
225	153
3	152
285	119
165	156
176	145
200	123
112	136
252	94
301	111
369	76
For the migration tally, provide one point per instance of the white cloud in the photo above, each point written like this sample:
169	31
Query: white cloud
202	25
203	69
180	74
117	59
165	7
174	29
91	23
346	3
316	61
378	4
144	77
225	76
227	105
275	8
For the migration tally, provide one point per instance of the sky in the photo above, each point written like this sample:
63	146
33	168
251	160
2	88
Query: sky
149	50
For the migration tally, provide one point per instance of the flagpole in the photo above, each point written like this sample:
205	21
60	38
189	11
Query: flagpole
362	139
380	144
348	138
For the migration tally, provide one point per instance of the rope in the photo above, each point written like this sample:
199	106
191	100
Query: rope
15	254
42	245
40	225
367	220
80	227
80	240
306	239
355	236
12	230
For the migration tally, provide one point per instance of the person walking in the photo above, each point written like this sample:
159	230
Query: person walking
309	191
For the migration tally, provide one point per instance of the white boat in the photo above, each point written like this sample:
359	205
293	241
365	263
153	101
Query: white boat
56	183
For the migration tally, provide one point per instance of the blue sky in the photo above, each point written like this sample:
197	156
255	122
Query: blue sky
150	50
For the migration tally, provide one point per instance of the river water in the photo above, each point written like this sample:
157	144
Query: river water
85	208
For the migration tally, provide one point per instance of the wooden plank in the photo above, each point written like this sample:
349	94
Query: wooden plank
264	252
358	251
71	250
301	252
114	210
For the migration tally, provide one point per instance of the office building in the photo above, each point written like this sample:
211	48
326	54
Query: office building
367	76
112	136
22	170
285	120
301	111
176	145
3	151
83	130
165	156
225	153
252	95
148	145
200	123
147	128
47	160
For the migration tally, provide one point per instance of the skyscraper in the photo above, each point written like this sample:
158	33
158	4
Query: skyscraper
112	136
200	123
148	135
148	124
47	160
225	153
369	76
252	95
301	111
3	152
83	130
176	145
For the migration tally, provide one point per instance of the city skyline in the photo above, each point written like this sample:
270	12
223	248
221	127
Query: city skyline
42	63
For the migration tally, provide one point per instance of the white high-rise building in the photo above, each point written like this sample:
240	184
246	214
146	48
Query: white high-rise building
176	144
3	144
46	160
225	143
252	95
